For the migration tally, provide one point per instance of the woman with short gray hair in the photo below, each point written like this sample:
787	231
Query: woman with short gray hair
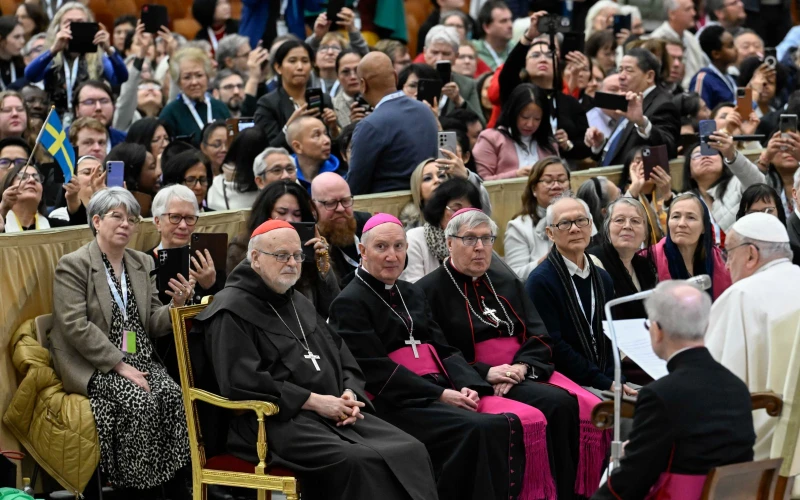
105	311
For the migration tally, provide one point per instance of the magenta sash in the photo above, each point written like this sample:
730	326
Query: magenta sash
594	442
538	478
672	486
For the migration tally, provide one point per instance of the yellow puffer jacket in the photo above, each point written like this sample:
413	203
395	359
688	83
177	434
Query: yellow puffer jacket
56	428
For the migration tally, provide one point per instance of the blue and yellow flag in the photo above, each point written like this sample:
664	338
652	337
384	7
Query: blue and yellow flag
55	140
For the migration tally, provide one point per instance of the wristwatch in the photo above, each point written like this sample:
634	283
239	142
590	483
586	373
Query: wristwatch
735	155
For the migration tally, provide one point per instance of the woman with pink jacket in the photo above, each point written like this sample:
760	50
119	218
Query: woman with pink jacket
521	137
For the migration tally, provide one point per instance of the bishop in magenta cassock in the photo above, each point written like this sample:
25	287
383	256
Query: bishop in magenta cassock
267	343
484	311
481	446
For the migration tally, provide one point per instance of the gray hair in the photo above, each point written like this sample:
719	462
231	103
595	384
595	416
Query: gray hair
260	163
222	75
167	195
107	200
443	34
594	10
190	52
632	10
470	220
229	47
767	250
251	245
28	48
797	180
625	200
464	18
669	6
566	195
679	319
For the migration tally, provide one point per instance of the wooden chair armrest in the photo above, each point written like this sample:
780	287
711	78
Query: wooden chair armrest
768	401
260	407
603	413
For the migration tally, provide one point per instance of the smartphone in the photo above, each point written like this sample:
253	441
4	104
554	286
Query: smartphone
115	173
573	42
788	124
363	103
428	90
82	41
334	7
306	232
610	101
706	128
553	23
771	56
622	22
685	142
236	125
171	262
314	99
448	141
653	156
154	17
744	102
215	243
445	71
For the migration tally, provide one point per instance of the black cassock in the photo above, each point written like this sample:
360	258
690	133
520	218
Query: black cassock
463	330
474	454
255	357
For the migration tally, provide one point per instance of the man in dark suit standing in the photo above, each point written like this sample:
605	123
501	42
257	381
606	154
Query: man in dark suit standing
694	419
400	133
793	223
651	118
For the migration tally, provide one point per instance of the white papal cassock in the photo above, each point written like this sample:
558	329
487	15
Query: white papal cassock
742	337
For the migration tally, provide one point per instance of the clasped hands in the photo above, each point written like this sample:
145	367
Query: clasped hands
344	409
504	377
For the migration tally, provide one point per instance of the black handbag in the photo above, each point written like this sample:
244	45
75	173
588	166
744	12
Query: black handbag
8	469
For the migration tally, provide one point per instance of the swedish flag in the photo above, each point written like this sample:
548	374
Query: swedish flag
54	139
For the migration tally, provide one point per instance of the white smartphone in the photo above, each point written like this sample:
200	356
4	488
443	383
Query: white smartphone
448	141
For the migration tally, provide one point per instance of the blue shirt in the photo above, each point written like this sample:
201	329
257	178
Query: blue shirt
331	165
714	87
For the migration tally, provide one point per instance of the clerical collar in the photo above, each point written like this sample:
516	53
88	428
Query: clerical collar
574	270
372	281
459	274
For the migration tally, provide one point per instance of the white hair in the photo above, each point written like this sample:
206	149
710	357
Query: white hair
471	220
168	194
443	34
229	47
632	10
767	250
797	180
669	6
251	245
566	195
260	163
679	319
594	10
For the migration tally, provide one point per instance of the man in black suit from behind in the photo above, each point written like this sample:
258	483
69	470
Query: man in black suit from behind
694	419
652	119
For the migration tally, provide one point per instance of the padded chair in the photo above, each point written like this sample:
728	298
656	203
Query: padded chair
225	469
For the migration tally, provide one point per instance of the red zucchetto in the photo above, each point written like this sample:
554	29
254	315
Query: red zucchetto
269	225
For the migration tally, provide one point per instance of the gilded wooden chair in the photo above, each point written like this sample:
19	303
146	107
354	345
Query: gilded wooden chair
225	470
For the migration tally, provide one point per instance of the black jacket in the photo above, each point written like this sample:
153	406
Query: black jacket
273	111
793	226
666	120
623	284
699	415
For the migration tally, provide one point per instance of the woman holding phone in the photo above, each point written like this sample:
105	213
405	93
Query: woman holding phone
292	65
63	71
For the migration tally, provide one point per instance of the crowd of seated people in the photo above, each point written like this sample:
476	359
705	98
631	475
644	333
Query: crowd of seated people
343	317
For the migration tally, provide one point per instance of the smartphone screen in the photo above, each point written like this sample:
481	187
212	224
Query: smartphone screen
622	22
428	90
314	98
306	232
82	41
788	124
115	173
706	128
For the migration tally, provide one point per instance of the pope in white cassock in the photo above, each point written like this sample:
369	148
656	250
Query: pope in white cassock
742	333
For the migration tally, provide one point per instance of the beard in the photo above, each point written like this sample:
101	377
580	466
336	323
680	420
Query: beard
338	232
235	104
281	283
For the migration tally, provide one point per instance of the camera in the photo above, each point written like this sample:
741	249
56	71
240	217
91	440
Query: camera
771	57
552	23
645	151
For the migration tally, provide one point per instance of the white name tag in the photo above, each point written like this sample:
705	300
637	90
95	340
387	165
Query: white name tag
282	28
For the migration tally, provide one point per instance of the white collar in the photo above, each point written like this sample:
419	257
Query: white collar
574	270
389	97
772	264
647	91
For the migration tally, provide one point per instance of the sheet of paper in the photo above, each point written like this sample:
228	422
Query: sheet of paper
634	341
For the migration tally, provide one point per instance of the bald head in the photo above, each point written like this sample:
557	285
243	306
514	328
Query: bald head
378	78
331	187
295	129
326	183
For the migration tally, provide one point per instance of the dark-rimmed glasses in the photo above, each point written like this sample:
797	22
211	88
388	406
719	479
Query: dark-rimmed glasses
566	225
471	241
283	258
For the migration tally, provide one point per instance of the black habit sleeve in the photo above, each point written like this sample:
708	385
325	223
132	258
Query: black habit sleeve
241	372
352	377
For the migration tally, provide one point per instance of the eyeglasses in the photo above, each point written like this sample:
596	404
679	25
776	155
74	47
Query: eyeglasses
278	170
727	251
566	225
193	181
231	86
767	210
8	162
536	55
105	101
149	86
621	221
23	176
471	241
330	48
332	204
456	26
119	218
549	182
176	219
284	257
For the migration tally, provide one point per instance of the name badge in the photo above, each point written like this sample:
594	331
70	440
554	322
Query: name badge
282	28
129	342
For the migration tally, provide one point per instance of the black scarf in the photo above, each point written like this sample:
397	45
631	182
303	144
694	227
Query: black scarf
593	340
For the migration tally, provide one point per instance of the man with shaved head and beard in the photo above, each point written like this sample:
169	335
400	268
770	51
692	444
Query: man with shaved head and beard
396	137
338	223
267	343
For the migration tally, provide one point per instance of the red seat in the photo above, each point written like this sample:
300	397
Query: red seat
231	463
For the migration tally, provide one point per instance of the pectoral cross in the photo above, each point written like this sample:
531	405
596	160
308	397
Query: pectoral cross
413	343
313	357
491	314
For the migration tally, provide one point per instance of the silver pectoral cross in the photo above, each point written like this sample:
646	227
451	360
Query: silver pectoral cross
490	313
413	343
313	357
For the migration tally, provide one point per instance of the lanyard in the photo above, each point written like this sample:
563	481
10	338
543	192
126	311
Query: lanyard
492	53
121	302
213	39
590	319
389	97
36	222
193	111
347	257
3	85
334	87
72	76
553	115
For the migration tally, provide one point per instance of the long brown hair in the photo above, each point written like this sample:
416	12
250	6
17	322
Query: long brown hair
529	202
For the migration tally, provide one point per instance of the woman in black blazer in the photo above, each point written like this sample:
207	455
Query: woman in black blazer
274	111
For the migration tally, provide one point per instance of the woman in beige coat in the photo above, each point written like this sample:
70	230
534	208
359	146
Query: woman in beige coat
106	308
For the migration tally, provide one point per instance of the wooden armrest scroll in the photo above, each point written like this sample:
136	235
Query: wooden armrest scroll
263	407
768	401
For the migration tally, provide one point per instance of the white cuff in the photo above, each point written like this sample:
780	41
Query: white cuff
645	134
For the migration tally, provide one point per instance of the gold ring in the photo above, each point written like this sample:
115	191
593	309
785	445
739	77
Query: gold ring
508	374
342	417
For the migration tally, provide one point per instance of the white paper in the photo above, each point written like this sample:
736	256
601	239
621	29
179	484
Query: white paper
634	340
